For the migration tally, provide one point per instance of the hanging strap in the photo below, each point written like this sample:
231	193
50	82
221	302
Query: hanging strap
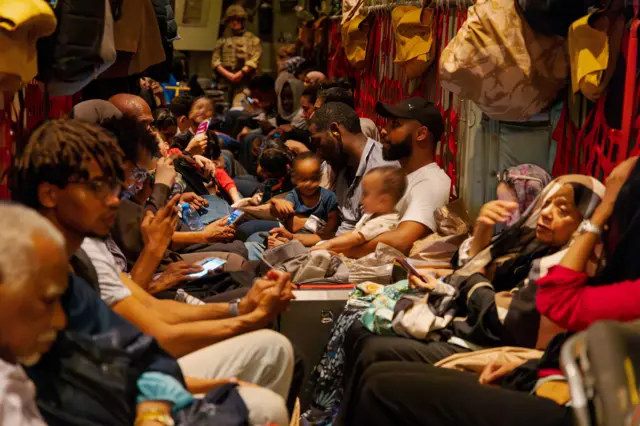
567	152
628	108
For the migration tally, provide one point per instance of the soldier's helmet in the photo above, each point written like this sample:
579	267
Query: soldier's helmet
235	10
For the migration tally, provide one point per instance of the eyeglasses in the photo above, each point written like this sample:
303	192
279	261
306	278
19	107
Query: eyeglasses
103	188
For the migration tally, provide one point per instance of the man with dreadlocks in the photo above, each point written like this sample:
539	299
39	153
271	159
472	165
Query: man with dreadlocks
79	166
72	173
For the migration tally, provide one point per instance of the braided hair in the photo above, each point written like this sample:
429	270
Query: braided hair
58	152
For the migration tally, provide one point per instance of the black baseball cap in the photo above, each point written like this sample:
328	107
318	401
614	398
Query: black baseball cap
419	109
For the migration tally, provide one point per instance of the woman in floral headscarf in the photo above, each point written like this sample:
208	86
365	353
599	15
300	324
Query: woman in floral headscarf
518	187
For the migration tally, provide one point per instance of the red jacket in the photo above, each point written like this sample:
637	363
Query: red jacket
565	299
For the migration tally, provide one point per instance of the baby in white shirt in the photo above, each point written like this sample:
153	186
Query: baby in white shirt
382	188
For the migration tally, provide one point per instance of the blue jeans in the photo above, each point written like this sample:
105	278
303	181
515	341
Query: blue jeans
248	230
256	231
217	209
255	249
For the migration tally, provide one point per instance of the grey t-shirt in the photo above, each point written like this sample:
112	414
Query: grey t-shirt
349	190
112	289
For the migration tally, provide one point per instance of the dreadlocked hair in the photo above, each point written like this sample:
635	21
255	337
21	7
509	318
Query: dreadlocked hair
58	152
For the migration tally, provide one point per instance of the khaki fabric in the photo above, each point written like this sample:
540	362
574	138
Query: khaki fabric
350	9
137	39
476	361
235	10
498	62
415	46
594	43
22	22
235	52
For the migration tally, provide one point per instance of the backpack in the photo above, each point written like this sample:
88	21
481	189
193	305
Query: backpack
81	48
222	406
95	379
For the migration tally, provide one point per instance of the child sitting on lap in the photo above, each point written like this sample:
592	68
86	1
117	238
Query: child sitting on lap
382	188
309	208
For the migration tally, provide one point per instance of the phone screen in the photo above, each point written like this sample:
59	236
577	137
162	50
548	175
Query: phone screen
208	265
411	270
234	217
203	127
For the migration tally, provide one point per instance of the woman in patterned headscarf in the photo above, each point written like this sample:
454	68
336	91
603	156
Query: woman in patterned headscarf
522	184
403	393
494	302
518	187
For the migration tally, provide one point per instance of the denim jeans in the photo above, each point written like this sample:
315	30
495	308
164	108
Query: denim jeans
246	231
255	249
217	209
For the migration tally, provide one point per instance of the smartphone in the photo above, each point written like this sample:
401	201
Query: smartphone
210	264
233	217
411	270
203	127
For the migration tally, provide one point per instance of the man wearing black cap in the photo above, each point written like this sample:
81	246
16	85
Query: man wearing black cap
410	137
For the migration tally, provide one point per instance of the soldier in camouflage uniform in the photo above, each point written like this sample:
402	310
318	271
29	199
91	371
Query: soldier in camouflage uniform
236	56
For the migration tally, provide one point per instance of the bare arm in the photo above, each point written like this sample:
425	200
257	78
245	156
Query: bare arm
295	223
310	240
172	312
234	194
344	242
182	339
157	230
491	214
214	232
184	239
146	266
401	238
582	248
197	386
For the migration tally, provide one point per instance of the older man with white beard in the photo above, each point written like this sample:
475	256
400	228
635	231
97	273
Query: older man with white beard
33	276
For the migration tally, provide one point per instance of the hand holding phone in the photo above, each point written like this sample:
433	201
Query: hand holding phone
411	270
203	127
208	265
234	217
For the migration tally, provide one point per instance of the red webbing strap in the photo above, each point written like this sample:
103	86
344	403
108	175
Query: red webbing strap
591	137
567	152
636	128
601	146
628	107
5	145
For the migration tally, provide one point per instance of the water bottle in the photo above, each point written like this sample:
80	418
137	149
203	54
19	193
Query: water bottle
191	218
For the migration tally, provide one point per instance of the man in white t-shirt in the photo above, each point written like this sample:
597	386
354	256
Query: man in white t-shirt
413	130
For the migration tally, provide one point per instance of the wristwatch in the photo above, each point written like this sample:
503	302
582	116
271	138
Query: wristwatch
587	227
155	416
233	307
